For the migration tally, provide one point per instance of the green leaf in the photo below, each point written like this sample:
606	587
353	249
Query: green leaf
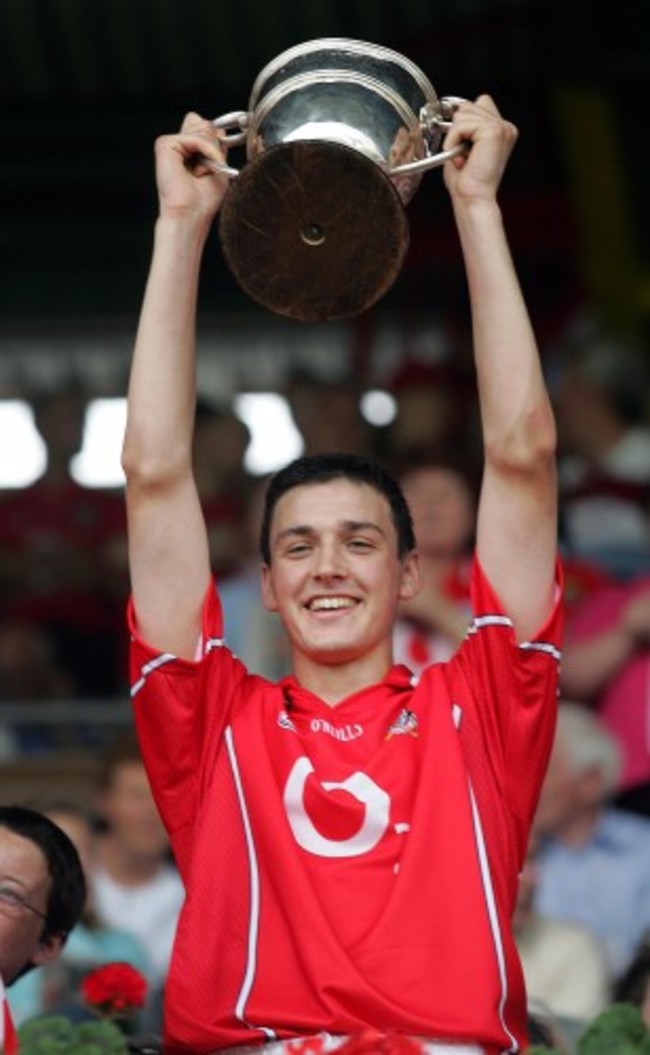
55	1035
619	1029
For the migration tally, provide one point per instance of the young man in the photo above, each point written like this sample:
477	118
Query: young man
349	839
42	895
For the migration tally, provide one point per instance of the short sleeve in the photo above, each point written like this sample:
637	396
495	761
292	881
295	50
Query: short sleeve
181	709
511	691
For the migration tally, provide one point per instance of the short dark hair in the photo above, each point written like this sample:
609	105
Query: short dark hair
320	469
67	895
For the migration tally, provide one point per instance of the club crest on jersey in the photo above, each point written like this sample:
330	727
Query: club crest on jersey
406	723
284	721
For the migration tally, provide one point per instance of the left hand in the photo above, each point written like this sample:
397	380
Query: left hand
477	174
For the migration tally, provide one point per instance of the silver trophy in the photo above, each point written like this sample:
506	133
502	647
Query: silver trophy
338	134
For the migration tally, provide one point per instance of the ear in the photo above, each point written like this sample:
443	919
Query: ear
411	577
48	950
268	592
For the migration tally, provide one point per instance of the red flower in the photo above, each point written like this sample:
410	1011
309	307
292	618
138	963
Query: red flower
114	988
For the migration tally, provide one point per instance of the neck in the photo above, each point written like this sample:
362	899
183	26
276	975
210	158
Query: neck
124	865
334	682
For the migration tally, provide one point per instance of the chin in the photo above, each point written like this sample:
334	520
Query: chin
333	653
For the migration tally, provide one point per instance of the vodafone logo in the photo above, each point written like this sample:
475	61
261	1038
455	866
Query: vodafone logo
376	813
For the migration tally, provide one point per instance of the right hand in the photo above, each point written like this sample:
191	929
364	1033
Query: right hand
185	186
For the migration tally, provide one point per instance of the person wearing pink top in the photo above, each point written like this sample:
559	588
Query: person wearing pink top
606	663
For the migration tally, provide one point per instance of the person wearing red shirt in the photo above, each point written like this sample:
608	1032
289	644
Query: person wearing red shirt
349	838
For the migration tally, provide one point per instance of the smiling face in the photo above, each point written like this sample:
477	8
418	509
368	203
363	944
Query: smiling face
23	870
335	575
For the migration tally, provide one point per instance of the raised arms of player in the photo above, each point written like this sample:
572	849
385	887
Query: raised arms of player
517	515
168	548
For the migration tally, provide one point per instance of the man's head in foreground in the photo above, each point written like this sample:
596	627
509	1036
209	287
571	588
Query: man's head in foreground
42	890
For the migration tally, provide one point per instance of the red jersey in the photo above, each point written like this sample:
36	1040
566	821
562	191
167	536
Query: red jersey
352	867
8	1038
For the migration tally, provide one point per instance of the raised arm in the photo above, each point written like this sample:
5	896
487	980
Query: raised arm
517	515
168	547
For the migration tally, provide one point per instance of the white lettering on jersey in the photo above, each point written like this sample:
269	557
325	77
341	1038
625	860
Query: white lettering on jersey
344	733
362	788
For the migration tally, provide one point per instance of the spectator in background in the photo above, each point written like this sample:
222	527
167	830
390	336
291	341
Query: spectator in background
135	885
327	413
253	633
606	665
54	988
29	669
436	414
42	894
601	401
220	442
594	860
29	672
582	578
442	500
53	536
565	965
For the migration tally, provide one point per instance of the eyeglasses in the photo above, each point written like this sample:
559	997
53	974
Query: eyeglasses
11	901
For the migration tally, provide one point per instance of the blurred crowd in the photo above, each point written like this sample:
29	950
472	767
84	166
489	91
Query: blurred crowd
583	920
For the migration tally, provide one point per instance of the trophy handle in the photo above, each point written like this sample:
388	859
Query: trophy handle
439	119
235	119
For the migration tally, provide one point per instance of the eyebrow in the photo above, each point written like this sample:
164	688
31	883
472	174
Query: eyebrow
349	526
13	879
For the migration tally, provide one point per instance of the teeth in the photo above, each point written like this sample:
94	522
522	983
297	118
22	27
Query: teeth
330	603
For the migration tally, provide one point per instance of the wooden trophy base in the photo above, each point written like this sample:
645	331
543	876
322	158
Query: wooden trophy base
313	231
